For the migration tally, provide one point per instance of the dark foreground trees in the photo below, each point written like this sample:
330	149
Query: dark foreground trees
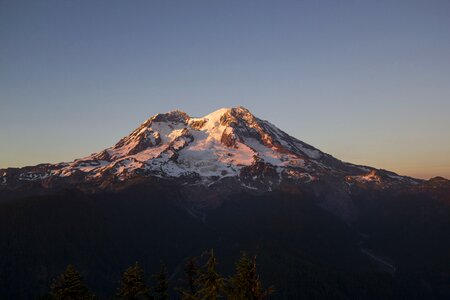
200	283
132	286
210	285
69	286
161	289
245	284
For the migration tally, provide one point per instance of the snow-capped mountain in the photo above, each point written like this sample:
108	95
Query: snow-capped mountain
230	181
228	143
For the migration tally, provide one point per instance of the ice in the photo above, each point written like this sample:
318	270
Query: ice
175	145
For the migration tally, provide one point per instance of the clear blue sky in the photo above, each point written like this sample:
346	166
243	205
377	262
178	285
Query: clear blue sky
366	81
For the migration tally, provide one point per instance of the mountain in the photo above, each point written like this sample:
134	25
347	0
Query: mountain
178	185
228	147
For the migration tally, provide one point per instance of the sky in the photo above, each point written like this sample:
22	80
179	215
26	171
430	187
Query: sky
365	81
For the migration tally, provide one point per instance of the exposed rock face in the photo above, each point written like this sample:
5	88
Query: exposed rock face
229	147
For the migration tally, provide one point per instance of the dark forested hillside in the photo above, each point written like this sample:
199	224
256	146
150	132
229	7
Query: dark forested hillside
303	250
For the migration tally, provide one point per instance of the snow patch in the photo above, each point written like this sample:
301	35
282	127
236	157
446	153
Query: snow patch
29	176
168	146
249	186
311	153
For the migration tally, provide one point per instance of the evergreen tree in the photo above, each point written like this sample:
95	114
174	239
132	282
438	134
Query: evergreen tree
210	284
162	285
191	272
69	286
133	285
245	284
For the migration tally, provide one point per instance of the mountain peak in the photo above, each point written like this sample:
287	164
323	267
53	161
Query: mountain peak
235	111
229	142
219	115
171	116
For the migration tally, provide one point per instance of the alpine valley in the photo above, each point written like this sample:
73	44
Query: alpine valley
177	185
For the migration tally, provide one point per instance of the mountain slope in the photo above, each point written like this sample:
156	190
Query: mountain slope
177	185
226	143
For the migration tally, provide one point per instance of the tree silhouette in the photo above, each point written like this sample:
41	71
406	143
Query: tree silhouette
162	285
245	283
203	283
69	286
132	286
191	272
210	284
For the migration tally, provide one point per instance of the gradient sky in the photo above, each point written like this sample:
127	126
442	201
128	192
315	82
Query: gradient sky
366	81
